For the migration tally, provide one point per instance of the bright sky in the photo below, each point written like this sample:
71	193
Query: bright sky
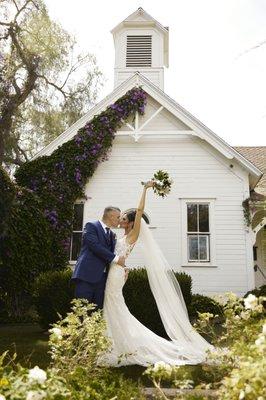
213	72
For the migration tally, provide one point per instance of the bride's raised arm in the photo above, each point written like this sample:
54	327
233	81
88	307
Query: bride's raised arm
133	235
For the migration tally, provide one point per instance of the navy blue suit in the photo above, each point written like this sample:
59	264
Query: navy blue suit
97	252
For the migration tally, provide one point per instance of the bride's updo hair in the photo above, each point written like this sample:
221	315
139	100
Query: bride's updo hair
131	215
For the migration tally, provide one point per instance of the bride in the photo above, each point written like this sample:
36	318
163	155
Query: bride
132	342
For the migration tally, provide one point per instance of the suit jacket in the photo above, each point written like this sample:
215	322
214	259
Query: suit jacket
96	253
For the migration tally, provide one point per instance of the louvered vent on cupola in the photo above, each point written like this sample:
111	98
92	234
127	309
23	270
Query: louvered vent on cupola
139	51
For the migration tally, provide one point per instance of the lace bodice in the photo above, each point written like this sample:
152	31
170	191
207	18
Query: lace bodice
122	248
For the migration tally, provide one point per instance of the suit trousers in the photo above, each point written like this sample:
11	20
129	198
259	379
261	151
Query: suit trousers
93	292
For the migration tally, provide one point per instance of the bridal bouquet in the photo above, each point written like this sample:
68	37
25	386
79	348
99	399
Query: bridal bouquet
162	183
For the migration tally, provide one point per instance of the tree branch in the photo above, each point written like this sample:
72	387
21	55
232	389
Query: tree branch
5	23
18	47
22	8
11	160
16	87
54	85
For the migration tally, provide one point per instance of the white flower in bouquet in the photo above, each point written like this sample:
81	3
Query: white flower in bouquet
162	183
250	302
36	395
37	374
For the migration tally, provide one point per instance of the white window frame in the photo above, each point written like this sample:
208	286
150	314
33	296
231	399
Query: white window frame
184	234
73	262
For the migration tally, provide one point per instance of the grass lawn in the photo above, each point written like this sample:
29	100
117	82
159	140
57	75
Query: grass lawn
30	344
26	340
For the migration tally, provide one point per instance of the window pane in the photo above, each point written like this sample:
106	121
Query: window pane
193	247
203	249
192	218
203	218
78	217
76	245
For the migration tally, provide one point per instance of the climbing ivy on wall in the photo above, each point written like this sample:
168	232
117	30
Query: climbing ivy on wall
59	179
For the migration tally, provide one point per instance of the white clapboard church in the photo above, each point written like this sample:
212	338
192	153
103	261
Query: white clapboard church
200	226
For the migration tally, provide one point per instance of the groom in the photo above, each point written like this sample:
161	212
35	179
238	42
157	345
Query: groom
97	252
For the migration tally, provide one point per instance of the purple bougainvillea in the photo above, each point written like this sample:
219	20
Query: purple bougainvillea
58	179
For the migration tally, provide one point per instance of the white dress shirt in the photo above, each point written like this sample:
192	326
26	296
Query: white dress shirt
116	258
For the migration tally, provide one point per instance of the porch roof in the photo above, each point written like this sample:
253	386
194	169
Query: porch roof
256	155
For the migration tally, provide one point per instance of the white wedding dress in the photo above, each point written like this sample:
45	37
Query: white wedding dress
132	342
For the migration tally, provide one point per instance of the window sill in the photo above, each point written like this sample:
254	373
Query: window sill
199	266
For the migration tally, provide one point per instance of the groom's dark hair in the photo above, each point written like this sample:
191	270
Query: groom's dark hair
110	208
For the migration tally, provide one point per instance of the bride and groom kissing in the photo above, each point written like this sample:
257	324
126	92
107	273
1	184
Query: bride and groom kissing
100	275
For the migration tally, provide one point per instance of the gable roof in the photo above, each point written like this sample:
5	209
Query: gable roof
257	155
197	127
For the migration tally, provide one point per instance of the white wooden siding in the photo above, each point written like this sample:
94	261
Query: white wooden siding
198	171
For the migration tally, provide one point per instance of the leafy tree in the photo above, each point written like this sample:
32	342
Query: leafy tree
45	84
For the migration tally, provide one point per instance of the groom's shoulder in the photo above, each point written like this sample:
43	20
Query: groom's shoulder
91	224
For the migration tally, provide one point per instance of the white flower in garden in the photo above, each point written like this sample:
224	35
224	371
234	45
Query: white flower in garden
241	395
244	315
250	302
264	329
248	389
161	365
2	397
260	341
36	395
57	332
37	374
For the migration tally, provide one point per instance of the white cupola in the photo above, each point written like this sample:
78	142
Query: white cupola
141	44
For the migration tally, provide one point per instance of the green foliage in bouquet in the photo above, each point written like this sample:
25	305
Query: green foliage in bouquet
163	183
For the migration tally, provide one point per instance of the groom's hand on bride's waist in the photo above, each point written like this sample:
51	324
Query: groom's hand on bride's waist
121	261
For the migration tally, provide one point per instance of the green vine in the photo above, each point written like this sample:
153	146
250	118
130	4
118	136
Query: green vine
59	179
247	211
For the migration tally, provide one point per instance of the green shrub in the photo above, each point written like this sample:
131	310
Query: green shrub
53	293
261	291
7	194
25	249
141	303
52	296
204	304
185	282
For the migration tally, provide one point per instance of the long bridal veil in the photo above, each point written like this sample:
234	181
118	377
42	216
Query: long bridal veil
168	296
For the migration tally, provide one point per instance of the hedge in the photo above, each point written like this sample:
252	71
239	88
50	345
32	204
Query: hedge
25	249
7	195
203	304
261	291
53	293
